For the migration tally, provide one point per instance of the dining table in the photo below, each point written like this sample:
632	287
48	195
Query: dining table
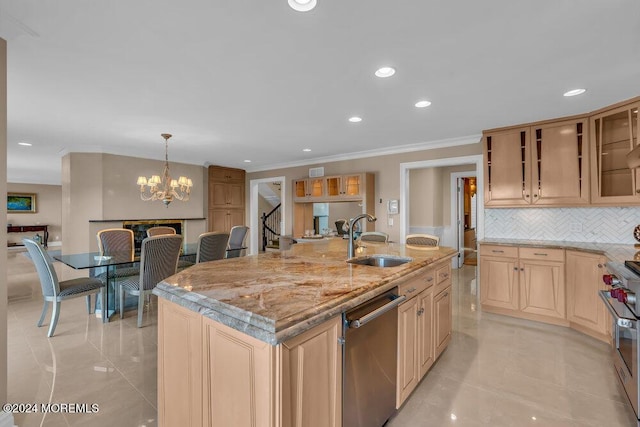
107	267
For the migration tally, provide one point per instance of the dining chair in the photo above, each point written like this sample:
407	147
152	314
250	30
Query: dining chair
160	230
158	260
374	236
54	291
118	243
236	247
340	227
422	240
212	246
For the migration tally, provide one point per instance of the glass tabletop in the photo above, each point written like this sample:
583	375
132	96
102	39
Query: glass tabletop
94	260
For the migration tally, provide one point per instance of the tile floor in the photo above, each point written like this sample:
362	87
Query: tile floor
497	371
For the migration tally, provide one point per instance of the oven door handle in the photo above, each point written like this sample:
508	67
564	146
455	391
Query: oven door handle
623	322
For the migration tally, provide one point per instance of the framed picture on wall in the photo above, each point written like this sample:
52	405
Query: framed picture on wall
21	203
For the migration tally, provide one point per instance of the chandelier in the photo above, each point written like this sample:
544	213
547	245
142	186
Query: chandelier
164	188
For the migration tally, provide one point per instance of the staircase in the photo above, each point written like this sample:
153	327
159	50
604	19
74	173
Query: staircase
271	228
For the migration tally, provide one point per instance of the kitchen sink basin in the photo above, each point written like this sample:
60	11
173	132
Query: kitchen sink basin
380	260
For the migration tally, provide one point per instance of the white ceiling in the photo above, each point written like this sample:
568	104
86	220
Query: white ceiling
254	79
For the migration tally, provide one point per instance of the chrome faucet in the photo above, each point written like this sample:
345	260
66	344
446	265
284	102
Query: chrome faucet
351	249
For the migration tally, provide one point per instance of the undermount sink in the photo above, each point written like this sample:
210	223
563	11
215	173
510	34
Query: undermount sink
380	260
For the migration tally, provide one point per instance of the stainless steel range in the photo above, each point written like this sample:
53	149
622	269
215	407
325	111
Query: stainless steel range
620	300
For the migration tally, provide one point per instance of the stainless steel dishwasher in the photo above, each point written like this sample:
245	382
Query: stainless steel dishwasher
370	360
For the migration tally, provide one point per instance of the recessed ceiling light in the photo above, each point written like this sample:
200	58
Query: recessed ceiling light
302	5
355	119
422	104
25	144
575	92
385	72
306	150
247	161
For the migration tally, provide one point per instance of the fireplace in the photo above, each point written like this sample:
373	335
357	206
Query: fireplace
140	229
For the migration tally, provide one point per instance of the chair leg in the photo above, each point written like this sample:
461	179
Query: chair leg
54	317
121	299
140	307
89	304
44	312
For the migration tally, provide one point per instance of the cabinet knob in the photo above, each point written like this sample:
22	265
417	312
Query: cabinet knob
600	265
526	195
522	269
535	195
411	290
515	268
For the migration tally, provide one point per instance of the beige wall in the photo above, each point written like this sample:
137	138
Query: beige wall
103	187
3	212
48	207
387	176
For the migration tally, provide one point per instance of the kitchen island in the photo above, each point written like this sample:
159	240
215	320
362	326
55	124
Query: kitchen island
257	340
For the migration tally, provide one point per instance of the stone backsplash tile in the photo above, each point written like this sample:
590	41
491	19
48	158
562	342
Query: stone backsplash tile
603	225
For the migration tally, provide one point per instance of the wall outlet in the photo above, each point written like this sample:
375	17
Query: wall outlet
390	222
576	227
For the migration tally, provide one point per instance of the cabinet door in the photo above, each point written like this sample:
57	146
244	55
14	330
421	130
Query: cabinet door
584	280
560	173
218	220
334	186
239	378
507	168
499	282
353	185
408	375
300	190
179	366
542	288
312	377
614	134
425	331
443	316
235	195
309	188
218	195
235	217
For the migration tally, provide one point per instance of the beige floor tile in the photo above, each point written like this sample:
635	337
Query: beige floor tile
498	371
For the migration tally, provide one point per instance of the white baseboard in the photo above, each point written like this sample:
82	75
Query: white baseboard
6	419
57	243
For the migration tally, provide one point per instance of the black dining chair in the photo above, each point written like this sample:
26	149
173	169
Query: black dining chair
54	291
158	260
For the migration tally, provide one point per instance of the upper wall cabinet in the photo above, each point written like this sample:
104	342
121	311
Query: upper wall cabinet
330	188
614	134
540	165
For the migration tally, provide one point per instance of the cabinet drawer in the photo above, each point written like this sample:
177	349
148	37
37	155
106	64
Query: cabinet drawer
413	287
542	254
443	273
499	250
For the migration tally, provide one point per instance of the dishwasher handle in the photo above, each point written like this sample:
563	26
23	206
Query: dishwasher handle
396	301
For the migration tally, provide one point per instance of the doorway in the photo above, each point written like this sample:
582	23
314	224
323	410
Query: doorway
464	214
264	192
452	235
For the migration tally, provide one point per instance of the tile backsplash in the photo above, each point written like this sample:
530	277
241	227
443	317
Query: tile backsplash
602	225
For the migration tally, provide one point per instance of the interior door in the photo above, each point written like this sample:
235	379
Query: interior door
460	221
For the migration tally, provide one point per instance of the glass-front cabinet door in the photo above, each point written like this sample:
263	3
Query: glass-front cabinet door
304	189
334	186
614	134
352	185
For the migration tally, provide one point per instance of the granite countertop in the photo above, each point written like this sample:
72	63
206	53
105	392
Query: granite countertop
277	295
614	252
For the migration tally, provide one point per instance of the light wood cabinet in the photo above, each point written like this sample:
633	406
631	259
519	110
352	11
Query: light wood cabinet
422	335
345	186
336	188
312	377
499	275
615	133
308	189
549	285
179	366
542	288
408	373
585	309
226	198
212	375
442	313
224	219
507	167
539	164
